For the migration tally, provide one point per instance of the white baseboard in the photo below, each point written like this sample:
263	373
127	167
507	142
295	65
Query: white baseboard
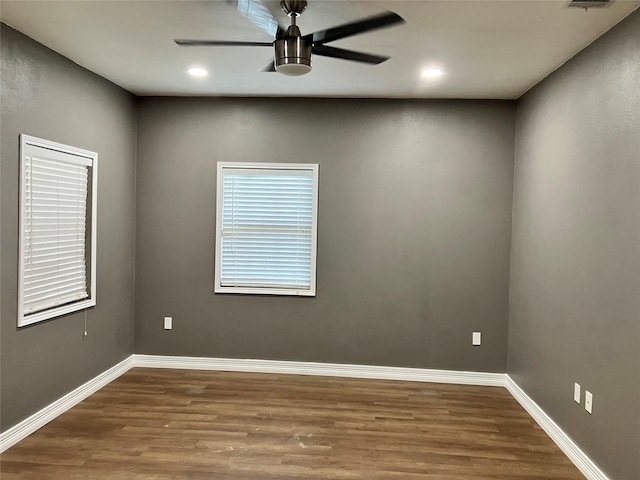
321	369
580	459
53	410
588	468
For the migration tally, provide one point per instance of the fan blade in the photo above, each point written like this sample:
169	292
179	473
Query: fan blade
269	68
256	11
220	43
326	51
382	20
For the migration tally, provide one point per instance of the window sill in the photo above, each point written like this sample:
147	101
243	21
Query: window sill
266	291
36	317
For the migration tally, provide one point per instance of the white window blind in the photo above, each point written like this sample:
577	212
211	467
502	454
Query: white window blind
266	228
55	201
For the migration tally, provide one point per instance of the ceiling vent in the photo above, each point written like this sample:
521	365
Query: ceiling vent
589	3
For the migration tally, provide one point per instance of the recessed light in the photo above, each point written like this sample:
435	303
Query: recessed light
197	72
432	72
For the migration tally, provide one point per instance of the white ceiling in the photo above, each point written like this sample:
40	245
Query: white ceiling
488	49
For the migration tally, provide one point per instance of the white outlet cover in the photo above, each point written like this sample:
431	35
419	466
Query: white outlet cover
168	323
477	338
576	393
588	401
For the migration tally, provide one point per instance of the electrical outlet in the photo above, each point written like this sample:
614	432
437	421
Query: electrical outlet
588	401
168	323
576	393
477	338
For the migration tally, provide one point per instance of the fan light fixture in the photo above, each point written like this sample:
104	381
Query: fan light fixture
293	52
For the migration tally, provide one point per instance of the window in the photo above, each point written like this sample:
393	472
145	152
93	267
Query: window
266	228
57	273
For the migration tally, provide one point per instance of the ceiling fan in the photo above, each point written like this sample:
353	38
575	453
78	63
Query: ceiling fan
292	50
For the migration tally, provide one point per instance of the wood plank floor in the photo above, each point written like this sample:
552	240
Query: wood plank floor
194	425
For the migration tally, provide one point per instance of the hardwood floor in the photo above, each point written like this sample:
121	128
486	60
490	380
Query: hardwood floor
195	425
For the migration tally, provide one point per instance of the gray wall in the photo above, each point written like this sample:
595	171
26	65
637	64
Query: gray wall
414	230
48	96
575	274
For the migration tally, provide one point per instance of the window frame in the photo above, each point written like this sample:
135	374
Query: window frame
91	219
309	167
